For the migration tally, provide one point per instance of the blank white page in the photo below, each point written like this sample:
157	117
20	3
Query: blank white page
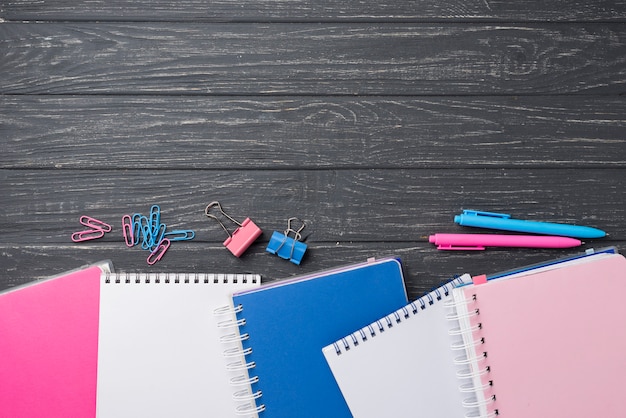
406	370
159	351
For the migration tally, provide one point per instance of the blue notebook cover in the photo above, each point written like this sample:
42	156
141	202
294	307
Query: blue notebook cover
288	323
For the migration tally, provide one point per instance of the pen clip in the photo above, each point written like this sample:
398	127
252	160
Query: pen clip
458	247
490	214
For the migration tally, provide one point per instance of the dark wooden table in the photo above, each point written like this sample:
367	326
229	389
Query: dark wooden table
375	122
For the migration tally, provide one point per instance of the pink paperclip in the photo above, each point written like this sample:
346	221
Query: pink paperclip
158	252
93	223
87	235
127	230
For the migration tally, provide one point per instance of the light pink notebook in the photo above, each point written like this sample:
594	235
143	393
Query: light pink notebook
49	346
550	344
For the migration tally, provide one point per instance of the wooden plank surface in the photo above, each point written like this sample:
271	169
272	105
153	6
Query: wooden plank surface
290	10
338	205
312	59
311	132
374	121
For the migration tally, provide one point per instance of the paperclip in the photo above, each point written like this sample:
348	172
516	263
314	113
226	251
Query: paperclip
146	233
242	237
155	219
181	235
93	223
158	252
158	235
87	235
127	230
136	228
286	247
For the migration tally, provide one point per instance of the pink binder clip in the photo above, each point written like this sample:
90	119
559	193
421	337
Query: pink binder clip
242	237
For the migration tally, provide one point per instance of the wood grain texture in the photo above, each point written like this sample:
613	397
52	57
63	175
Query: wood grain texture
43	206
312	59
311	132
302	10
373	121
425	267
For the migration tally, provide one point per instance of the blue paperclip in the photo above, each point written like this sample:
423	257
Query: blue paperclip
146	233
181	235
158	235
286	247
151	233
155	219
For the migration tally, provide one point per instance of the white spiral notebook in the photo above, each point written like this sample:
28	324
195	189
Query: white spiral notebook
402	364
161	351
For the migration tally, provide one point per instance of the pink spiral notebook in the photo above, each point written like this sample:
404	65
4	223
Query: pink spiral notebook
550	344
49	346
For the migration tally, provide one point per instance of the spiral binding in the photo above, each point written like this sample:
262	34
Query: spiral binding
185	278
471	366
389	321
249	401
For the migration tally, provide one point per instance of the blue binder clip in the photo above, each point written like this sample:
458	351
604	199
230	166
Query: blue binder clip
286	247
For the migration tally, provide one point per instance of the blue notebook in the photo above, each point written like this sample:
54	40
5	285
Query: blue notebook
284	326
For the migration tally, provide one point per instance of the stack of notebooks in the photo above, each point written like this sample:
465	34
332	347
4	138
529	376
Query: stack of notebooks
544	341
540	341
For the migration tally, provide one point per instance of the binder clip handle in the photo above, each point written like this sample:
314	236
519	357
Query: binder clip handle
296	232
219	206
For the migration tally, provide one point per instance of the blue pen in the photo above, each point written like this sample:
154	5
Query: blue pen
503	221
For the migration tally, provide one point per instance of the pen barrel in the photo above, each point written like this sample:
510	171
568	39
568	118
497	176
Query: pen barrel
532	227
487	240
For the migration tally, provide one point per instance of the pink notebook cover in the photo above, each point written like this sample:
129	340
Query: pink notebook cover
49	347
556	341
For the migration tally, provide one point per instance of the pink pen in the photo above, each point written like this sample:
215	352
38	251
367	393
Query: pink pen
480	241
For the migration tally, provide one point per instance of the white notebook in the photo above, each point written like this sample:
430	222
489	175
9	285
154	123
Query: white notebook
161	351
402	364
